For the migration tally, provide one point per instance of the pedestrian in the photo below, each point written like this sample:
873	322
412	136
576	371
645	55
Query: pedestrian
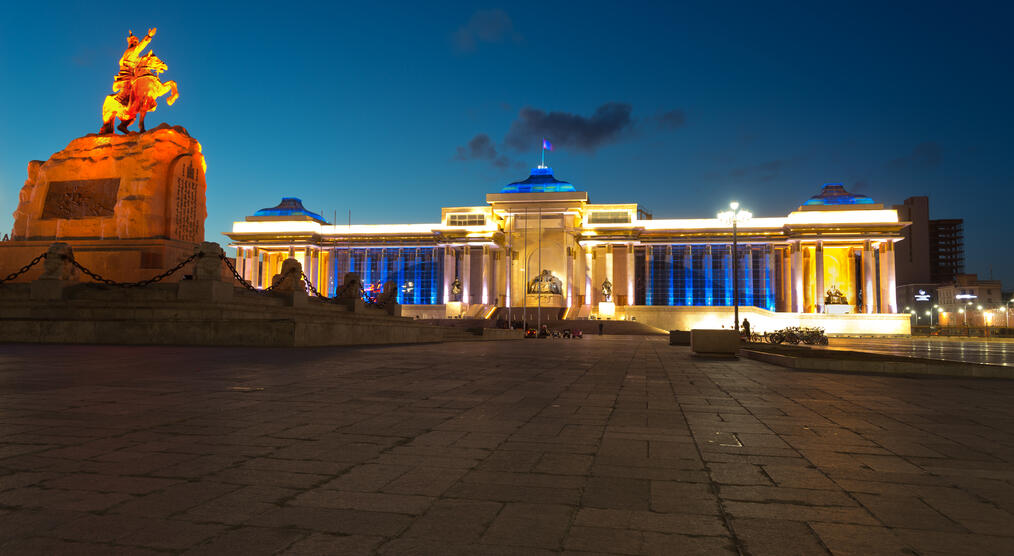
746	329
600	328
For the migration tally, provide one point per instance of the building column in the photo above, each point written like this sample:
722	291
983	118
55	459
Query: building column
785	260
818	296
688	275
609	270
448	272
748	299
485	275
508	273
630	274
570	254
466	274
588	263
796	262
892	288
709	278
769	277
869	282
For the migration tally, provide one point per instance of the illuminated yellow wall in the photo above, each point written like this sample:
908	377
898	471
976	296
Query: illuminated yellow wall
839	272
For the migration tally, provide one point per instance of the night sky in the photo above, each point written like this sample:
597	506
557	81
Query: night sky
398	110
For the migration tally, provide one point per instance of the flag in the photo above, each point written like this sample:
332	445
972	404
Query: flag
546	145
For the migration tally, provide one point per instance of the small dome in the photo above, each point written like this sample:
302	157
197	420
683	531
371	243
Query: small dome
540	181
835	194
290	206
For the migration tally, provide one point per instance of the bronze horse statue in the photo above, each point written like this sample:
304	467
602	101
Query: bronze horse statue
138	96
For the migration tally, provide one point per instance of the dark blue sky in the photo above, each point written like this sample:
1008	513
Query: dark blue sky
398	110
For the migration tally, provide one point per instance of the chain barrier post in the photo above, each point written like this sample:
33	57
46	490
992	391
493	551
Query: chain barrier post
58	273
208	283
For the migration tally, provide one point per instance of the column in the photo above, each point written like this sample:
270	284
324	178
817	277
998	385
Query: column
485	275
466	274
786	283
818	296
508	272
688	277
892	288
588	262
570	254
796	262
869	283
609	270
748	276
630	274
709	294
769	277
448	272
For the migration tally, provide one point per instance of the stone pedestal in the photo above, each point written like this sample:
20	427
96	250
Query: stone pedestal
50	290
131	206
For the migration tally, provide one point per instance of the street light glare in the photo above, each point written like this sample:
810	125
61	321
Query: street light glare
734	205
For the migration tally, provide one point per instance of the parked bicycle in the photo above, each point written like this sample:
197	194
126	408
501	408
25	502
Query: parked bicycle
796	334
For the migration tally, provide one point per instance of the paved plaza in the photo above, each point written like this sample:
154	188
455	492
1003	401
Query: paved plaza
619	445
995	351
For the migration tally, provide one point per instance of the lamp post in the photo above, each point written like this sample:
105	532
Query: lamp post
962	311
930	315
734	217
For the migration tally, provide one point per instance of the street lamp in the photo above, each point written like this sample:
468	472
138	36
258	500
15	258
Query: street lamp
735	217
962	311
930	315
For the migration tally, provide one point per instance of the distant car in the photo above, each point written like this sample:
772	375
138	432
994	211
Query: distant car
578	333
566	333
555	333
530	333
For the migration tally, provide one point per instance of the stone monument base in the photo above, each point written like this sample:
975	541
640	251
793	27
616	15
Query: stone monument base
123	260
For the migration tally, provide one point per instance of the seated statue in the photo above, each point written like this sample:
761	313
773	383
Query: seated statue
835	296
545	282
607	290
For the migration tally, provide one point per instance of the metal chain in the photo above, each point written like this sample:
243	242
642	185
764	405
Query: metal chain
139	284
23	270
244	282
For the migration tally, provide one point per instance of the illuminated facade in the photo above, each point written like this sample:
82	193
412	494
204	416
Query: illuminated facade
540	242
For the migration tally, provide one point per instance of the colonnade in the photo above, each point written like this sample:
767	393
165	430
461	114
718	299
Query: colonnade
491	275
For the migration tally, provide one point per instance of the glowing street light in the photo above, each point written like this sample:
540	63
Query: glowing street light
962	311
735	217
930	315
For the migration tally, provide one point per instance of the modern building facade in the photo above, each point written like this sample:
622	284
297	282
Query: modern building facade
969	301
541	243
932	253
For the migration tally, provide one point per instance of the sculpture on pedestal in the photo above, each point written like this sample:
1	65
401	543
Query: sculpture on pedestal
835	296
545	282
136	87
607	290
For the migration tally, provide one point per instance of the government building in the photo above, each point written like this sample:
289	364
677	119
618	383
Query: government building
539	247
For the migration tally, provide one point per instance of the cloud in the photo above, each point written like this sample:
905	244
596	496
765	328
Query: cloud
481	147
604	126
485	26
927	154
673	119
764	172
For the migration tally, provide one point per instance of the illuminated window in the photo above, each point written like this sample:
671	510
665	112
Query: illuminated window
609	217
466	219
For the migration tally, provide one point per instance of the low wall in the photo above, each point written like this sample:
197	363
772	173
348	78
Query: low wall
424	311
689	318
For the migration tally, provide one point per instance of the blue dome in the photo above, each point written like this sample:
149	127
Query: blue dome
835	194
540	181
290	206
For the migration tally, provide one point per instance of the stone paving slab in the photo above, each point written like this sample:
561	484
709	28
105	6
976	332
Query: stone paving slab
605	445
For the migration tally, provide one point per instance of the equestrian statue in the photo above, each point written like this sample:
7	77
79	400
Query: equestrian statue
136	87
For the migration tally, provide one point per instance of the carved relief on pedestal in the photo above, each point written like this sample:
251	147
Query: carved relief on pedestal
185	219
